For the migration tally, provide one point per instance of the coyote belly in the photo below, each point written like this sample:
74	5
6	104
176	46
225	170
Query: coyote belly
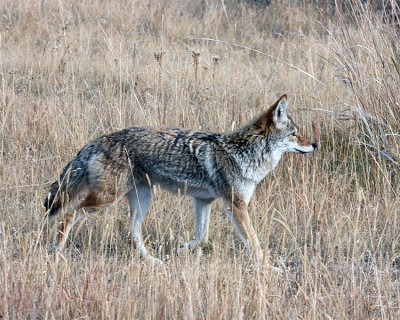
204	165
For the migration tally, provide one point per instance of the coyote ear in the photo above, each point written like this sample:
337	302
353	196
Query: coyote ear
279	113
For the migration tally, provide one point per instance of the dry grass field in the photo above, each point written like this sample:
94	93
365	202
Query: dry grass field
73	70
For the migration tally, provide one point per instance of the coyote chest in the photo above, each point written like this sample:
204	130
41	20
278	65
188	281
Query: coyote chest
255	171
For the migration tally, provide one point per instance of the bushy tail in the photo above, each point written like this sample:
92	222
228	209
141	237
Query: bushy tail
63	191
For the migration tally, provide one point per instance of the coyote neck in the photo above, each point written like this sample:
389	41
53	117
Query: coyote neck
253	153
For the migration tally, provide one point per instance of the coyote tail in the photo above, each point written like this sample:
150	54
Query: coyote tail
66	188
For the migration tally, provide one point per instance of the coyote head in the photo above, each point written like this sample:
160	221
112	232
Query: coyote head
282	132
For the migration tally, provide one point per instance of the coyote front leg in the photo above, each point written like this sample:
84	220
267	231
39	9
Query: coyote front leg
239	216
94	201
70	219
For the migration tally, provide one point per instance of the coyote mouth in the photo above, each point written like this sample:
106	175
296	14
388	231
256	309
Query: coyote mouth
302	152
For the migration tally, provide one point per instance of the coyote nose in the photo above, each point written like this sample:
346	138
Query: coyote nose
314	145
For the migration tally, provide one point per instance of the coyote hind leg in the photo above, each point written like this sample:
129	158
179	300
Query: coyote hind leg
139	201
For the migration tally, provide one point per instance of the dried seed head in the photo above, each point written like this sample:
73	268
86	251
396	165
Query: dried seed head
158	57
216	59
195	56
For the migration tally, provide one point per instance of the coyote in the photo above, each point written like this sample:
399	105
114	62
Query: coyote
204	165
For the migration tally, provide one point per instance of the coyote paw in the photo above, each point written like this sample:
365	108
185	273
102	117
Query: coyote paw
54	249
275	270
152	259
189	246
55	252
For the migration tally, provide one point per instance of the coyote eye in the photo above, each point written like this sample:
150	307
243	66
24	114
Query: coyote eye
294	134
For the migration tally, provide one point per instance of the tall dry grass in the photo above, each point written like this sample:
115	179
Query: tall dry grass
71	70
